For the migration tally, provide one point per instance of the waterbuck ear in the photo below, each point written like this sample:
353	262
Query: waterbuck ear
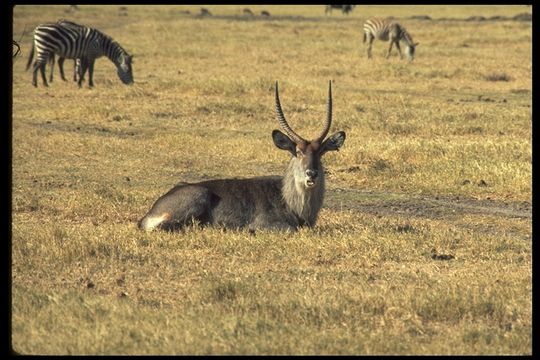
283	142
334	142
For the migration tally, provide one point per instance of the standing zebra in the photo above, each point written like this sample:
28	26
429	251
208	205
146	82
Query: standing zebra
387	29
77	42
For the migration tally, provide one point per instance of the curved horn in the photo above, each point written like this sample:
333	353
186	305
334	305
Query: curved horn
284	125
328	114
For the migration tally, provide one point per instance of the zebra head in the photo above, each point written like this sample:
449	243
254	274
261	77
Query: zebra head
410	49
124	69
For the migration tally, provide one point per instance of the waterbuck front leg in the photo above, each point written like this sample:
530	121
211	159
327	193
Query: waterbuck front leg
177	208
278	222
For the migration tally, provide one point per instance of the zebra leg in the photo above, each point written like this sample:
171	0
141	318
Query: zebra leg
52	67
34	73
370	44
79	70
84	66
390	48
76	69
399	50
42	71
91	73
61	67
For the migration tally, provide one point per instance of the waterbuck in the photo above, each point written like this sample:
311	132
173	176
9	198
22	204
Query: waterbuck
268	202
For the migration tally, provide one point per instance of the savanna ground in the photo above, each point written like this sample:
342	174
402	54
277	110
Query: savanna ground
437	161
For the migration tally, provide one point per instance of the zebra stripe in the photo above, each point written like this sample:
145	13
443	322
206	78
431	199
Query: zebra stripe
73	41
76	62
387	29
76	68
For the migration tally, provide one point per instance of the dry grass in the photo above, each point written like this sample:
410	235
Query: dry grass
454	124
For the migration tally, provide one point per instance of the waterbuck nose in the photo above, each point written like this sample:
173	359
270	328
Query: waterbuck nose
311	173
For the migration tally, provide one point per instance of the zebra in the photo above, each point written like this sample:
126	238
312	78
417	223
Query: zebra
76	62
205	12
387	29
77	42
344	8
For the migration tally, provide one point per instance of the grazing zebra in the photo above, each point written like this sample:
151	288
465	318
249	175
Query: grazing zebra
344	8
76	62
205	12
387	29
77	42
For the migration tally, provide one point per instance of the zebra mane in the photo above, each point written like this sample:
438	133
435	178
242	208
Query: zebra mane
406	36
113	47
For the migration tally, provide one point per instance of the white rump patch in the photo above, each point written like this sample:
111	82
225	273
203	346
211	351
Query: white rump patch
150	223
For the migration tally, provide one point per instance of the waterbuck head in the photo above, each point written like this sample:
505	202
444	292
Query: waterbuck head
305	166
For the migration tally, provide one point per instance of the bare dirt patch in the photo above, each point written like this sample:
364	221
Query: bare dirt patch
424	207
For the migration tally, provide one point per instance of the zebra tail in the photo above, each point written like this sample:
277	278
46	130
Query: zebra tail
30	58
364	38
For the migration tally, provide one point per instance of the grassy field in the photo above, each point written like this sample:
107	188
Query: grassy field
437	161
